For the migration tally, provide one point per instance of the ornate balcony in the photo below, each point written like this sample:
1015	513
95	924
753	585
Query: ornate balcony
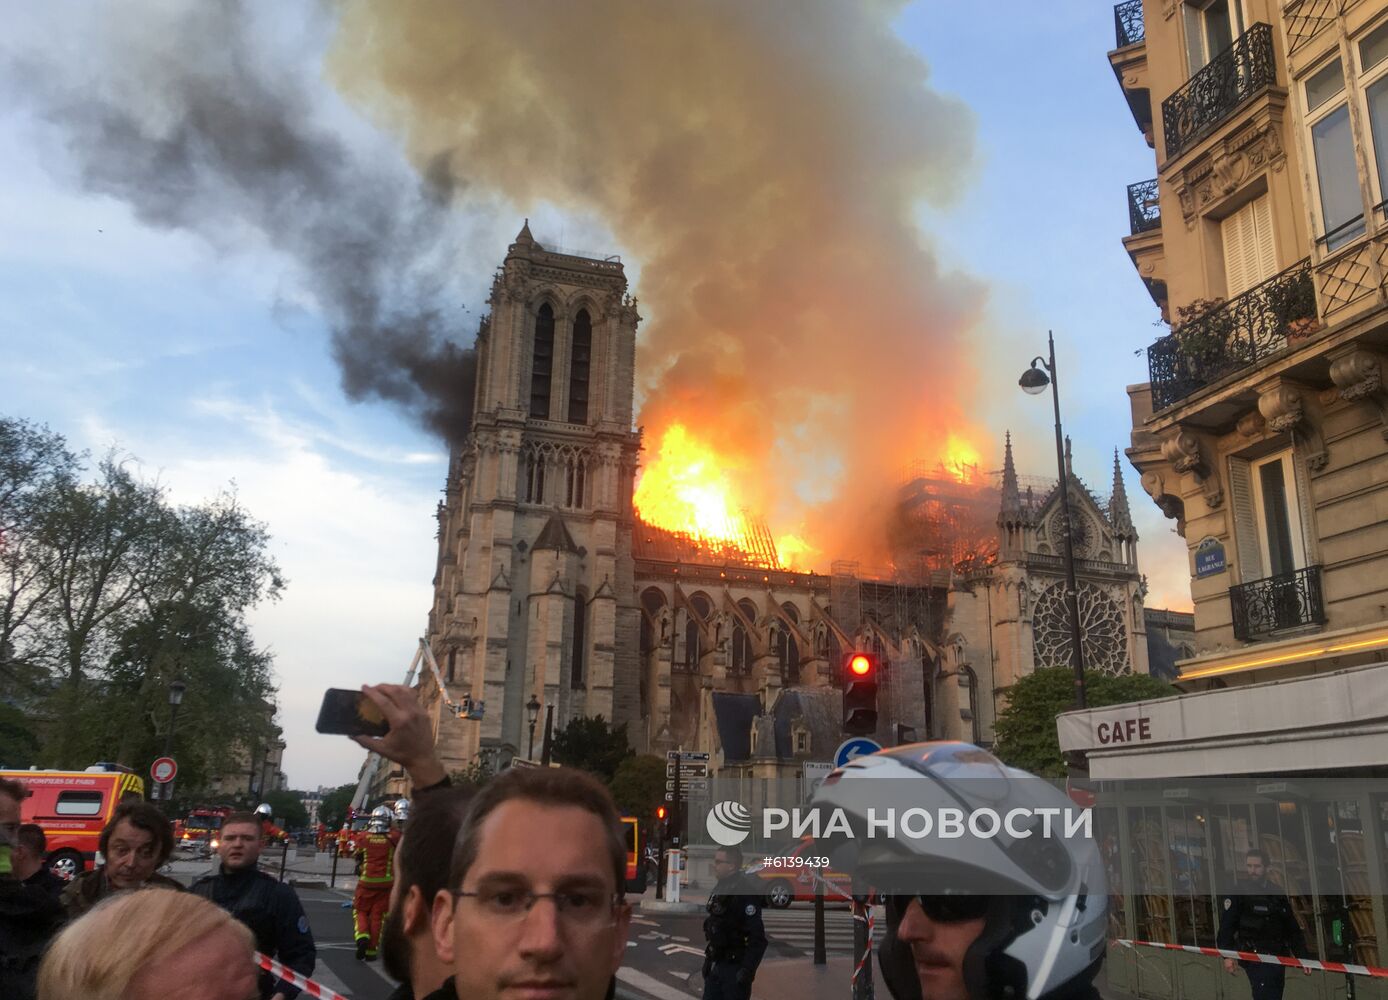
1264	607
1127	23
1213	94
1144	210
1232	335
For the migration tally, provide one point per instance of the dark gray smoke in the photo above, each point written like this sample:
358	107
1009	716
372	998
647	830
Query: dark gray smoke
202	118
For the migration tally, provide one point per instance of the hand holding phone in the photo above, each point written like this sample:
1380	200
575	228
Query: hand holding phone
350	713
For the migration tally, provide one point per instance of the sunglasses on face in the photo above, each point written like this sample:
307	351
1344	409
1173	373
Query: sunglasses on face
946	909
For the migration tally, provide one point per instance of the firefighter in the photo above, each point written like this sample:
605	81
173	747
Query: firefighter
376	875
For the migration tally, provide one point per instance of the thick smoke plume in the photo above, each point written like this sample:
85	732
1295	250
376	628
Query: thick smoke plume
763	162
190	113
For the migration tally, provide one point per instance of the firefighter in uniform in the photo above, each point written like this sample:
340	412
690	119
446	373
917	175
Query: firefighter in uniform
270	908
1258	917
733	929
376	875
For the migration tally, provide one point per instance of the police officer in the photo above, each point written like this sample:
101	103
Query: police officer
268	907
1257	916
733	929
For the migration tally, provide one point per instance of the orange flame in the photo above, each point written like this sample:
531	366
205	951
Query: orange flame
685	490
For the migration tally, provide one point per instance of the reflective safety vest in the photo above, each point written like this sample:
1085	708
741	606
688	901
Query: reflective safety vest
377	855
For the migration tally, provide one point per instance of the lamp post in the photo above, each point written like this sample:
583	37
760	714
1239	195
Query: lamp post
1034	381
532	713
176	689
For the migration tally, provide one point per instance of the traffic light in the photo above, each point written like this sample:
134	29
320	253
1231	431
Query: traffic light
860	694
662	821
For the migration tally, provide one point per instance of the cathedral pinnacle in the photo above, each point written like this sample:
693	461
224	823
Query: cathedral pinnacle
1119	515
524	238
1011	496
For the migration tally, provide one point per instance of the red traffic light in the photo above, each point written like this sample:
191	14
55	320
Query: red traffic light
860	665
660	812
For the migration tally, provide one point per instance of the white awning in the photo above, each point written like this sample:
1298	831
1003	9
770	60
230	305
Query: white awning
1325	722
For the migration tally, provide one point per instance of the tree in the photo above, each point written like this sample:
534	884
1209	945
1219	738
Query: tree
289	808
332	811
1025	730
638	786
19	744
592	745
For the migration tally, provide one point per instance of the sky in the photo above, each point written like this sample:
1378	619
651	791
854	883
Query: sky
210	354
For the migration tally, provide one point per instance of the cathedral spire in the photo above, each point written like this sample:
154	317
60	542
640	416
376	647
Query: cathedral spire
523	238
1118	513
1069	458
1011	496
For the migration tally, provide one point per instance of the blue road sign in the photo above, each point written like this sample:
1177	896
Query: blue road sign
858	746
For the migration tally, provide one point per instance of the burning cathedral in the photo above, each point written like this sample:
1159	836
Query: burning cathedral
550	589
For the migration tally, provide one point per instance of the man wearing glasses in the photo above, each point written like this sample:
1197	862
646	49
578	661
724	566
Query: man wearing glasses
534	906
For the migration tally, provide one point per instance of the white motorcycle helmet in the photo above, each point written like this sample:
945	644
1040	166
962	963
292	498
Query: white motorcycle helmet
1043	898
380	819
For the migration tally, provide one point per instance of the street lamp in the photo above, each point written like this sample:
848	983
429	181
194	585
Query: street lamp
1033	382
532	712
176	689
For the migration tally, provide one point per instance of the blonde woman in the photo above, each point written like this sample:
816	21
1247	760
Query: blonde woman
151	945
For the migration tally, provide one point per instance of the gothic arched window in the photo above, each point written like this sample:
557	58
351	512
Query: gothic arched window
692	649
741	662
787	653
579	362
542	362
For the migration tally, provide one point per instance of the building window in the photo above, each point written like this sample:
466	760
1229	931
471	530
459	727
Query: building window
533	475
1332	148
580	640
741	663
575	481
542	363
802	742
578	367
1267	516
1250	257
1373	68
692	651
1211	28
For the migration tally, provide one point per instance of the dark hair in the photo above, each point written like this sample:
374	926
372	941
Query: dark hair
549	786
426	850
14	789
1254	852
244	819
31	836
142	816
734	853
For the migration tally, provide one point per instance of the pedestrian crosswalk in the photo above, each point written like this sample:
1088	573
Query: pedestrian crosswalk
795	927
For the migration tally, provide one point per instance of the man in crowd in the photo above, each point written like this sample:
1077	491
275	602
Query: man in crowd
539	914
268	907
30	864
733	930
1257	916
29	916
136	841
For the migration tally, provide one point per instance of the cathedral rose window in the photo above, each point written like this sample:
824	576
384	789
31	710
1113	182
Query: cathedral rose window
1101	629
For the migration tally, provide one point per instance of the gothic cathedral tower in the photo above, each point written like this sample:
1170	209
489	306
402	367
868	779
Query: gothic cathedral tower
534	593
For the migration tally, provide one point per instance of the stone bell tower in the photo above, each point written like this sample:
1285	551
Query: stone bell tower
534	594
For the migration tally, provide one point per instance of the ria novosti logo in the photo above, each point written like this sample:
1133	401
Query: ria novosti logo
729	823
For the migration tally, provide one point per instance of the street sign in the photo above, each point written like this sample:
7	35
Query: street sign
693	785
698	769
857	746
686	755
814	772
163	770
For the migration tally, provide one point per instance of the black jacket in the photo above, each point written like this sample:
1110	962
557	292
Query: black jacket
1258	917
45	879
29	917
733	927
275	916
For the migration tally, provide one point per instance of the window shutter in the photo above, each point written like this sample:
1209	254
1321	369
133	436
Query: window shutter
1249	254
1265	252
1245	521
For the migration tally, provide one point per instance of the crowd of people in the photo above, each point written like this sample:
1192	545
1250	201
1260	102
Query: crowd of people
516	889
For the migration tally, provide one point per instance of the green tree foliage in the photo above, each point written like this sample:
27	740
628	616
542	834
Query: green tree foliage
19	744
638	786
1025	730
593	745
289	807
333	809
108	593
474	776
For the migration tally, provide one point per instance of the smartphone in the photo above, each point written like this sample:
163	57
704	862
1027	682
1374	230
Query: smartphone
350	713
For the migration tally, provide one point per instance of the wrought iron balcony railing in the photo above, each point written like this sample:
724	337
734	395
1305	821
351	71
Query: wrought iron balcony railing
1290	600
1233	335
1212	94
1144	210
1127	23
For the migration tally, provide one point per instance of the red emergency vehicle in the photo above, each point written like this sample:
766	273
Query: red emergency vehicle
201	827
72	807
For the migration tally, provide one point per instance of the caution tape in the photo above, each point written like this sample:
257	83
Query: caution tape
863	912
1253	956
303	982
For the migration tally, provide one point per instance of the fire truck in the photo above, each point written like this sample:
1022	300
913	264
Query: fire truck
72	807
200	829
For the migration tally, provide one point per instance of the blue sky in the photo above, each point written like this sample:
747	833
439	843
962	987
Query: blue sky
209	362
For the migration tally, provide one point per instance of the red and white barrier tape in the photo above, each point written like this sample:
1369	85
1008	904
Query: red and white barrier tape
313	989
863	912
1253	956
